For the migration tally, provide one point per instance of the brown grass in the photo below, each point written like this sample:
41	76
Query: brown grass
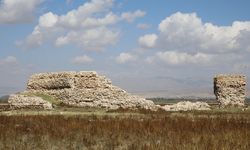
191	130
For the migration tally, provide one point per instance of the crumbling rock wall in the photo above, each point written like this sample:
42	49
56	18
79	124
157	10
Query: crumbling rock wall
230	90
85	89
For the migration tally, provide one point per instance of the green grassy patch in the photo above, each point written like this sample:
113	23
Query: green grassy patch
53	100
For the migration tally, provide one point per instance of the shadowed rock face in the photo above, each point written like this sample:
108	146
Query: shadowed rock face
85	89
230	90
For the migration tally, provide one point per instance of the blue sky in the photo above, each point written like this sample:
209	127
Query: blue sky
173	46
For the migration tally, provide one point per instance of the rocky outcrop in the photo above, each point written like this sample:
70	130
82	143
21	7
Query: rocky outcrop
19	101
230	90
187	106
85	89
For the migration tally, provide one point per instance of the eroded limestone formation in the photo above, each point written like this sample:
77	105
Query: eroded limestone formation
85	89
230	90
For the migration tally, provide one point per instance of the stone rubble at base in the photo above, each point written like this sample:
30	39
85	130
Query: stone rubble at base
19	101
187	106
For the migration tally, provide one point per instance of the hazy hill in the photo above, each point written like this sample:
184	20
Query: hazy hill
4	99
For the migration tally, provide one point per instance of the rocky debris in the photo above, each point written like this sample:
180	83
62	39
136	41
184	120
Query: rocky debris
18	101
230	90
85	89
187	106
4	107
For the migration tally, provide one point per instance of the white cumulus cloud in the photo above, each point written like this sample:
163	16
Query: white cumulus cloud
185	38
17	11
125	57
90	27
48	20
243	40
187	32
92	39
148	40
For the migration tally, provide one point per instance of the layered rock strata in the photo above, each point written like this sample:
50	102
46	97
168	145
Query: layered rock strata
85	89
230	90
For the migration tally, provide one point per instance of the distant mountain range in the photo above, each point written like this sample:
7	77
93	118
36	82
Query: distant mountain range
179	94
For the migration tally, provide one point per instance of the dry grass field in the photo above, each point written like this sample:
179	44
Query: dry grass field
86	129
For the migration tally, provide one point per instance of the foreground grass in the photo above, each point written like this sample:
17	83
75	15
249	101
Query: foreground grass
126	130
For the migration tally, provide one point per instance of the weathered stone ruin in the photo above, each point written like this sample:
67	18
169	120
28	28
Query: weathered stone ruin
88	89
230	90
82	89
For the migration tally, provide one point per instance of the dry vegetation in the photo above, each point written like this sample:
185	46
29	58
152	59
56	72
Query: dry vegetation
114	130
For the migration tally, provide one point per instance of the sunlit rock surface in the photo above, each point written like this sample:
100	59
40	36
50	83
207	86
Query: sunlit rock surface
85	89
230	90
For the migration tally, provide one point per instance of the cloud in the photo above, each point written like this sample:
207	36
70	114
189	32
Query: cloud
125	57
92	39
148	40
184	38
130	17
143	26
90	27
243	40
17	11
150	59
187	32
9	60
82	60
48	20
175	58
